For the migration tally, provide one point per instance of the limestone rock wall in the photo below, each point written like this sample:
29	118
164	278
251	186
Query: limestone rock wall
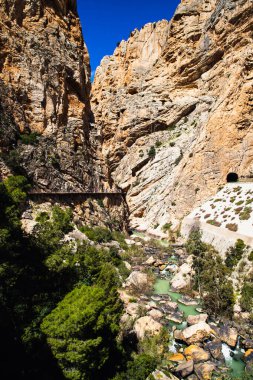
173	107
44	94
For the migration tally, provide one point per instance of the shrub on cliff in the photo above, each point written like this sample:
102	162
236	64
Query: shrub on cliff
97	234
152	152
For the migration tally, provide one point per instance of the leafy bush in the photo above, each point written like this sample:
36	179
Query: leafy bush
152	152
250	256
97	234
167	227
29	138
158	144
120	238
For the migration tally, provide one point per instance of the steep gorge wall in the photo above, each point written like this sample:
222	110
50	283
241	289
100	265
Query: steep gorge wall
184	87
45	89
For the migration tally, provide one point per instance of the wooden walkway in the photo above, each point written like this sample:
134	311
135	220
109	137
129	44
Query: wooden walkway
65	193
38	194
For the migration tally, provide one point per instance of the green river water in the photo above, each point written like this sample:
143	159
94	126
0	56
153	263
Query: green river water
235	363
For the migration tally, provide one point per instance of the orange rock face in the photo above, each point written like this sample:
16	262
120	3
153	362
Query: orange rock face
173	106
44	89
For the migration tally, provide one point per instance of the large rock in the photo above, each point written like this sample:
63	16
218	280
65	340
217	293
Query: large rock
204	371
197	354
137	280
179	282
215	348
196	333
171	306
133	309
194	319
228	335
182	279
184	369
248	358
146	326
155	314
177	357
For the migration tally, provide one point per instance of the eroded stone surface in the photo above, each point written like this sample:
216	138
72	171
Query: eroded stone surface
44	78
184	87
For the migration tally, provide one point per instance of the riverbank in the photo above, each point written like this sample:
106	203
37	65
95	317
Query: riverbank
199	346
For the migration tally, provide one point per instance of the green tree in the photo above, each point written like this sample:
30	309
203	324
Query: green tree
82	330
234	254
211	276
139	368
247	295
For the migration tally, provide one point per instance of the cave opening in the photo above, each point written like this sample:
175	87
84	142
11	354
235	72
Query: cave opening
232	177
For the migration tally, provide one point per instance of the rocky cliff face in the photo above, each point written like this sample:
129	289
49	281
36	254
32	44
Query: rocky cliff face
173	106
44	95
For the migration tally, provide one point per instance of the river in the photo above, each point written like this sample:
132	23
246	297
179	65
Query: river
233	358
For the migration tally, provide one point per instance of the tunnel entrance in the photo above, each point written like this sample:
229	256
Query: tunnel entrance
232	177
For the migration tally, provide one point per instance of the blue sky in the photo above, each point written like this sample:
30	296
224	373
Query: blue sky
107	22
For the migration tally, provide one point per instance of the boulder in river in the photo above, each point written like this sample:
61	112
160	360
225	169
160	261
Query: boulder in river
215	349
194	319
204	371
156	298
146	325
155	314
151	305
184	369
248	343
228	335
178	334
188	301
171	306
248	359
137	279
180	281
175	317
177	357
171	268
197	354
196	333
